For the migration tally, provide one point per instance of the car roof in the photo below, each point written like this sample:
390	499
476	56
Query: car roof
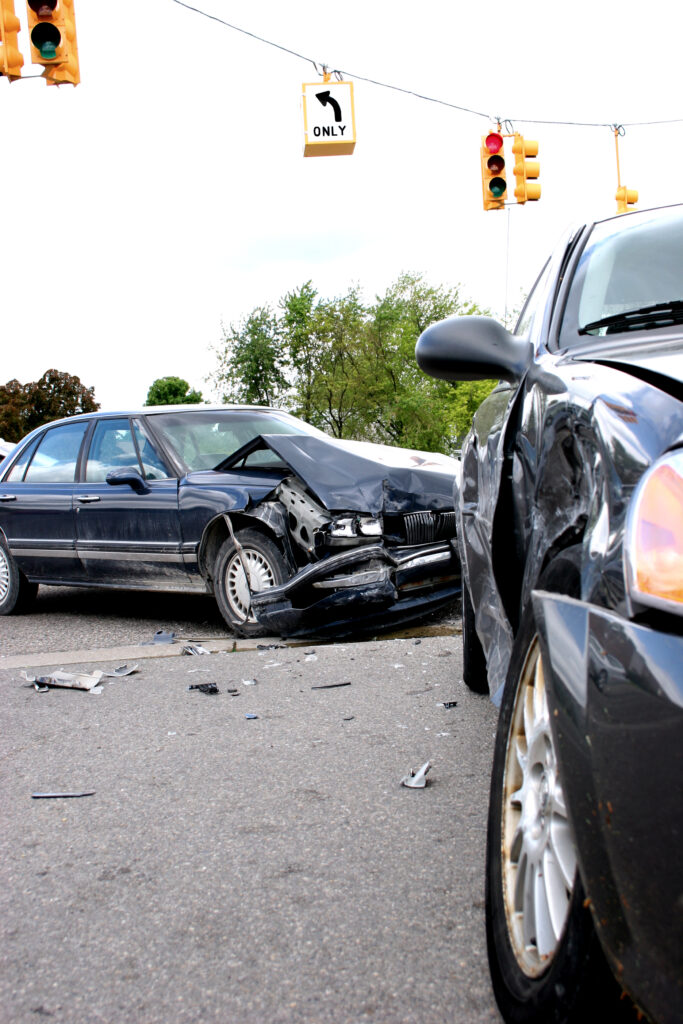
151	410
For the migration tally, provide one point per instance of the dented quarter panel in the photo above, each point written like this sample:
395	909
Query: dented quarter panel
568	453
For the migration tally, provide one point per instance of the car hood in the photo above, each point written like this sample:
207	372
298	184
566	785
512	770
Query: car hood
642	356
357	476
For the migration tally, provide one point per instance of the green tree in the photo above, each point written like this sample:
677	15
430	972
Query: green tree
172	391
252	361
23	407
350	368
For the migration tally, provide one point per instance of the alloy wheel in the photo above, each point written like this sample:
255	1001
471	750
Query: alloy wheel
538	855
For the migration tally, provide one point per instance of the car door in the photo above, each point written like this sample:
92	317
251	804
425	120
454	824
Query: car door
128	534
36	505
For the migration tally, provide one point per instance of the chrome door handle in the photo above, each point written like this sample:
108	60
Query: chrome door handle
8	497
86	498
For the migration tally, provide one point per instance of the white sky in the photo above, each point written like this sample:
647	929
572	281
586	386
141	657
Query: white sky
167	194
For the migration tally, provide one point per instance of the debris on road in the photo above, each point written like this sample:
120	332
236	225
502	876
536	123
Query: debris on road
417	778
249	682
195	649
82	681
60	796
249	714
447	704
122	670
160	637
329	686
204	687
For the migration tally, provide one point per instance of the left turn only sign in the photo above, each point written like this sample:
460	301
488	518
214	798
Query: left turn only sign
329	119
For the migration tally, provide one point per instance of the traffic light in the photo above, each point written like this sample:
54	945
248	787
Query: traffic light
11	60
52	30
493	181
626	198
526	190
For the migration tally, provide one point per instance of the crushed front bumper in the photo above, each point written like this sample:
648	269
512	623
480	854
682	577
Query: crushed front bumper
361	589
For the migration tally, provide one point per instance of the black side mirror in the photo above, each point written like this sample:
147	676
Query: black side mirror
472	348
127	475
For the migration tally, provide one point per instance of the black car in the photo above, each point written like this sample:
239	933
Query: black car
570	529
293	532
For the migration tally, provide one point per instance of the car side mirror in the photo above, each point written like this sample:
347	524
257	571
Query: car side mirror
127	475
472	348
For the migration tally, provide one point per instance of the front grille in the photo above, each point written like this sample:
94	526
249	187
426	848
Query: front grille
426	527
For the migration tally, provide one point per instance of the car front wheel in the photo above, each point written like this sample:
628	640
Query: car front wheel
545	958
233	586
16	592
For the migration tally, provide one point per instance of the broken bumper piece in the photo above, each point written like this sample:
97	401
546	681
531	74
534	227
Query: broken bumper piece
378	585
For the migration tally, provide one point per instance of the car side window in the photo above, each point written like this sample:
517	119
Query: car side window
535	301
19	468
56	456
152	464
112	447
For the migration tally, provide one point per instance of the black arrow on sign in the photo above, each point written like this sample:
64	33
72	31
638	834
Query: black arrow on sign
325	98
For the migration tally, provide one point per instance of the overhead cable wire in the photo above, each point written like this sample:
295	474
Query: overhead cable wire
411	92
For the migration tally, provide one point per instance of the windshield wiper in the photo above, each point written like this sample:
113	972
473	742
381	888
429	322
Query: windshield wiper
664	314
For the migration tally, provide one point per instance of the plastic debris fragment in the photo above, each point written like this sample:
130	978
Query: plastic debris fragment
122	670
204	687
249	682
447	704
195	649
160	637
418	777
81	681
249	714
54	796
329	686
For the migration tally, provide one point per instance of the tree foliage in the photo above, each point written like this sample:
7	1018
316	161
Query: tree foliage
349	367
23	407
172	391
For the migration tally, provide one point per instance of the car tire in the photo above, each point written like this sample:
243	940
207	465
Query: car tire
473	657
545	959
16	592
267	568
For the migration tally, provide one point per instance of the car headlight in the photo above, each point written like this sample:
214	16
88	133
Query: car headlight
351	526
654	536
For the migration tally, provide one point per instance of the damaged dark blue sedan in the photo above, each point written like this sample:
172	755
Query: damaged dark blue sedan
292	531
570	527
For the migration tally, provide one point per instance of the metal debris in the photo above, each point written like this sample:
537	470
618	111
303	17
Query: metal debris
195	649
418	777
329	686
122	670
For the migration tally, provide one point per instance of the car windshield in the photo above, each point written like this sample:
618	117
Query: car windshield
630	276
202	439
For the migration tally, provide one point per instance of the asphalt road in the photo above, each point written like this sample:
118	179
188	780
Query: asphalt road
234	869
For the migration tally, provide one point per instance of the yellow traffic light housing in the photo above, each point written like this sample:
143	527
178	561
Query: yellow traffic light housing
527	189
11	60
52	31
493	174
626	198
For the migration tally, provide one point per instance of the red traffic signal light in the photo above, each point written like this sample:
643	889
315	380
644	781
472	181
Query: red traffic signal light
493	175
